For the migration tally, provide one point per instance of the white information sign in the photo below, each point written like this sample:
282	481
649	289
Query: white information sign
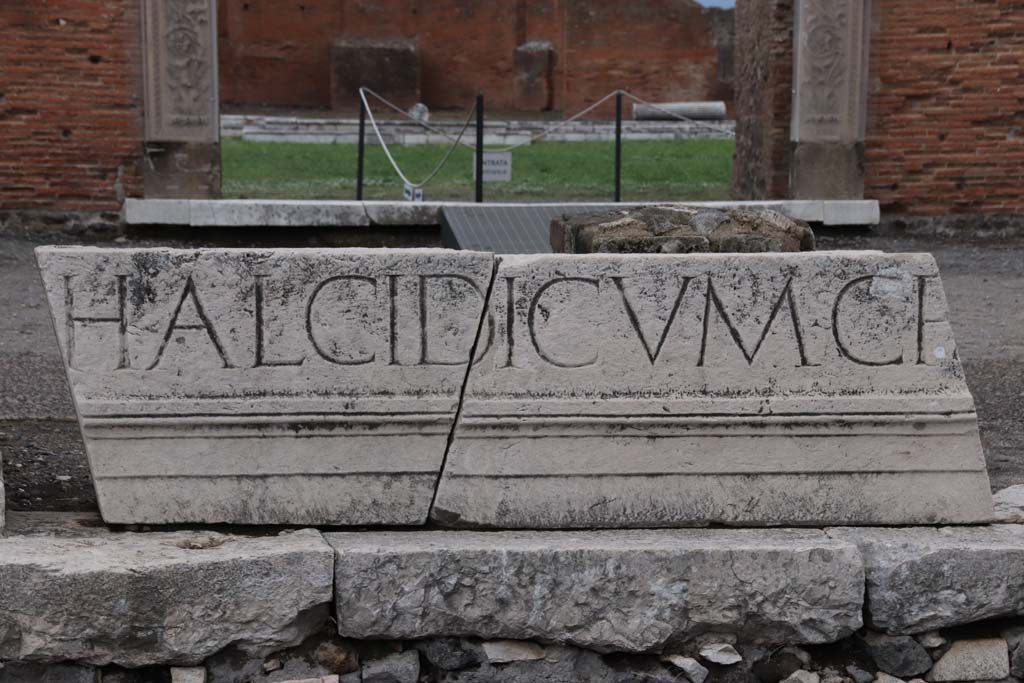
497	167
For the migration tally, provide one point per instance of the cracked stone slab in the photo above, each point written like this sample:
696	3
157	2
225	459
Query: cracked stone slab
159	598
606	590
922	579
685	390
281	386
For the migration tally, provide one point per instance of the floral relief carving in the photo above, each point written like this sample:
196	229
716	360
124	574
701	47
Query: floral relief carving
188	65
824	78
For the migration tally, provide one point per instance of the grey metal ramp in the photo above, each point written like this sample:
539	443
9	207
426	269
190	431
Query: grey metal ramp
506	228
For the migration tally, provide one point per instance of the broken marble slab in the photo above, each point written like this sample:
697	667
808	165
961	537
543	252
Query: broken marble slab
614	590
136	599
284	386
676	390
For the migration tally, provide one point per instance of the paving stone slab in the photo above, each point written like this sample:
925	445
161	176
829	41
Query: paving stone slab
607	590
282	386
159	598
922	579
673	390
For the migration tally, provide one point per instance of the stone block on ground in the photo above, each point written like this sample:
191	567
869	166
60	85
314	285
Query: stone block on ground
534	75
159	598
287	386
401	667
679	230
389	66
924	579
3	499
973	660
673	390
608	591
1009	505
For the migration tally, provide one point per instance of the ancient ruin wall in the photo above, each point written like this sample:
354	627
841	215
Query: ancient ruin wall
70	104
945	129
661	49
946	109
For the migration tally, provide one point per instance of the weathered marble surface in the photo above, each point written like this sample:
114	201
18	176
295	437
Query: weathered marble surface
606	590
138	599
919	580
265	386
675	390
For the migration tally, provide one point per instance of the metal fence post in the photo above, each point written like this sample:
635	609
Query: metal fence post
362	149
479	148
618	146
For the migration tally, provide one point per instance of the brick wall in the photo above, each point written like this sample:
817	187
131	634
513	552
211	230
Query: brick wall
70	104
276	53
945	110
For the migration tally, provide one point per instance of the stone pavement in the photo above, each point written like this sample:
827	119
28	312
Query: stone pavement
44	463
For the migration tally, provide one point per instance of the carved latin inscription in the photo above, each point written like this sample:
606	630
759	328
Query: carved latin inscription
345	321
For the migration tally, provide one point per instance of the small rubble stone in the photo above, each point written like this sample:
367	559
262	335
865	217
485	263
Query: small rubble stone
931	640
721	653
188	675
803	676
883	677
898	655
985	659
16	672
693	669
1014	638
859	675
401	667
503	651
1009	505
451	653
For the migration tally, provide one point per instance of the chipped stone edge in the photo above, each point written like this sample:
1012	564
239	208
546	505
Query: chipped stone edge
348	214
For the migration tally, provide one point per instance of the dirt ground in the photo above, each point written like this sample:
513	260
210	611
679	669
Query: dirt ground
45	468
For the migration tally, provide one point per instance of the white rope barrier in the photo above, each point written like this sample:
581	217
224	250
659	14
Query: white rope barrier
457	139
391	159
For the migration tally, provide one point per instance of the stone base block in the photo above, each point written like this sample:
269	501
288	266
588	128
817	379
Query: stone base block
822	170
389	67
141	599
608	591
182	170
924	579
534	85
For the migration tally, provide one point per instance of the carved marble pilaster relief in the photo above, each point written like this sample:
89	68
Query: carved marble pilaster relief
831	42
180	50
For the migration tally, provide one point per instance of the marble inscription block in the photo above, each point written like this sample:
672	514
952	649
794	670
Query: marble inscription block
180	75
769	389
290	386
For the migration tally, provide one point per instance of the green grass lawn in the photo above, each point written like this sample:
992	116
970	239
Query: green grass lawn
553	171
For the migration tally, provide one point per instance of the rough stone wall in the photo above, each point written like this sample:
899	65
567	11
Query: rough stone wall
945	110
763	79
275	53
70	104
